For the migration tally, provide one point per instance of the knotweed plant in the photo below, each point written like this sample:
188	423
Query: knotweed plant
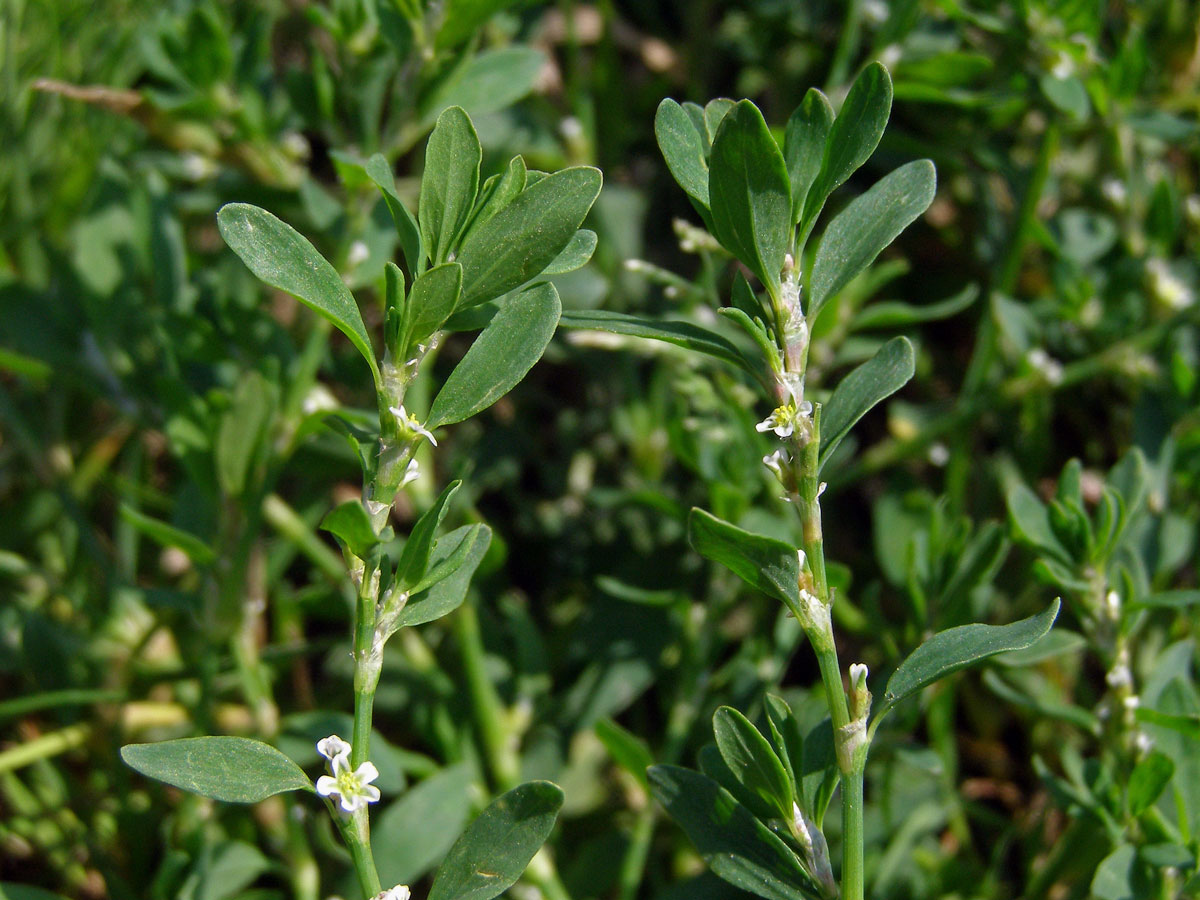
756	812
475	258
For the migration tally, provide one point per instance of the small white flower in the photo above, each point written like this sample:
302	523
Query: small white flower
1112	603
783	419
875	12
333	747
939	454
1132	702
358	253
411	473
1064	66
1050	367
1167	287
571	128
318	399
776	461
353	788
1119	676
399	892
1114	191
1143	742
858	675
821	488
409	423
801	557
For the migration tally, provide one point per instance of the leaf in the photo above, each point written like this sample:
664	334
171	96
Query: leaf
351	525
1031	524
867	225
749	194
504	351
11	891
232	769
852	139
683	150
284	259
460	19
1114	878
804	145
1148	780
411	244
524	237
489	81
894	314
956	648
876	379
226	869
765	563
413	834
628	750
751	760
414	558
497	192
495	849
431	301
447	595
168	535
242	430
682	334
575	255
449	183
737	847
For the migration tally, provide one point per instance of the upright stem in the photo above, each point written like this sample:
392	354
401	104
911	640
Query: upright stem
852	836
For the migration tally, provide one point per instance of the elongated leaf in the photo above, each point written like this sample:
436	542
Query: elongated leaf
1148	780
504	351
497	192
431	302
629	751
232	769
771	566
12	891
575	255
284	259
414	833
495	849
449	183
525	236
168	535
414	558
954	649
242	431
1031	524
852	139
749	194
351	525
876	379
894	314
447	594
683	149
751	760
682	334
411	244
804	145
737	847
864	228
486	82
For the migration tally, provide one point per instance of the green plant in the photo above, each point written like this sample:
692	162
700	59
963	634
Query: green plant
475	257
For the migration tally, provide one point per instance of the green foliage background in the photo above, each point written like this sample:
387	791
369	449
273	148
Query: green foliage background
163	467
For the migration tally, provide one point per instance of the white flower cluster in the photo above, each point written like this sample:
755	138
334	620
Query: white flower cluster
352	787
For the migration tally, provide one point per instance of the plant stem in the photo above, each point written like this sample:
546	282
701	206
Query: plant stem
44	747
852	836
357	835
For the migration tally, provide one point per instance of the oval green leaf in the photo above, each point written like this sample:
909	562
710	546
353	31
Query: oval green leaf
804	145
525	236
751	760
683	150
414	833
852	139
749	194
449	183
464	549
495	849
431	301
500	357
876	379
956	648
411	245
232	769
867	225
737	847
765	563
284	259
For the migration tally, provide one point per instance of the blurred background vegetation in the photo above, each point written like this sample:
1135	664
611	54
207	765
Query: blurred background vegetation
163	465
